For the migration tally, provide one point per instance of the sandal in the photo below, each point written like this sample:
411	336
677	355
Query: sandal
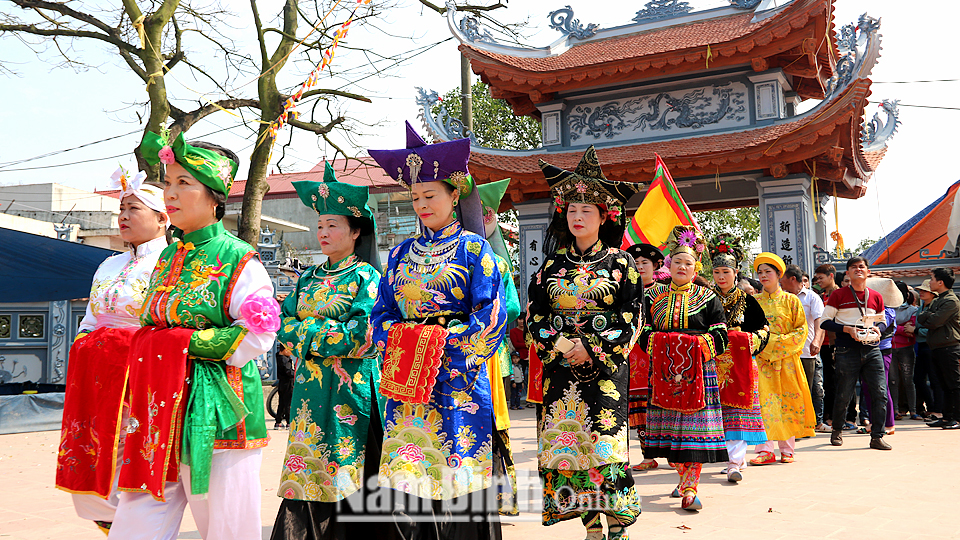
765	458
645	465
823	428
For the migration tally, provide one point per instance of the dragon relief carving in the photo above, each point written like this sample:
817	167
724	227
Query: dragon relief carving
607	119
692	110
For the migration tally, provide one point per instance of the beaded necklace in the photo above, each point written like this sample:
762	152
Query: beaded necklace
344	265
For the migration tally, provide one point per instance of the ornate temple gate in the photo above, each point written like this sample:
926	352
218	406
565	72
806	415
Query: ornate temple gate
723	112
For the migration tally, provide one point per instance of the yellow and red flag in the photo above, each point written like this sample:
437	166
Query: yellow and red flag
662	209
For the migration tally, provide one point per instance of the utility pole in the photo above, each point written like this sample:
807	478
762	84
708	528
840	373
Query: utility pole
466	94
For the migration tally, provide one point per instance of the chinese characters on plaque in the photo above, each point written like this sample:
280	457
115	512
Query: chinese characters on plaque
785	242
531	255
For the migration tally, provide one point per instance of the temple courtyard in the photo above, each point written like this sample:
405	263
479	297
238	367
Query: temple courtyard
847	492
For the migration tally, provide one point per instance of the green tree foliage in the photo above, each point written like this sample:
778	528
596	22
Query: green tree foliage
742	222
864	245
494	123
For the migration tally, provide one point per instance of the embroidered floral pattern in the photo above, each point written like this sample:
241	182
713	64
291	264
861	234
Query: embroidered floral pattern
327	326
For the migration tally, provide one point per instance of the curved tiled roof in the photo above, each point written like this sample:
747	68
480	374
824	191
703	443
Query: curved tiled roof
800	138
659	40
732	40
927	229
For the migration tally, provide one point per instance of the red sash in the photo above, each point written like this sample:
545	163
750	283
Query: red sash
412	361
535	384
677	372
92	407
639	369
735	373
158	372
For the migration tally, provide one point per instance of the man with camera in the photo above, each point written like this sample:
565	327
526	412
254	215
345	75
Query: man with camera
855	314
942	321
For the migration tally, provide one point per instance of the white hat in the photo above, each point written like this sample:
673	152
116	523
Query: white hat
892	296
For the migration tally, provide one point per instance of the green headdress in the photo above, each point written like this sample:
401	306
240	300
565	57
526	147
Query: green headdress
208	167
334	197
341	199
490	196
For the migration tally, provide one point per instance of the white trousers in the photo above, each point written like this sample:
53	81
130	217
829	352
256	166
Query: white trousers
786	447
737	450
94	508
229	511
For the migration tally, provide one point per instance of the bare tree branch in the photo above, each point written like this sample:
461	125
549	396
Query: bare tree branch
472	9
186	120
69	32
66	10
327	91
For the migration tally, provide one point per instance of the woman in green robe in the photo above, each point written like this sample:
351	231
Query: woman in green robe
337	428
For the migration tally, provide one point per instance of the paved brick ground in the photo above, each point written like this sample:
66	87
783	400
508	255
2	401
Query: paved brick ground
848	492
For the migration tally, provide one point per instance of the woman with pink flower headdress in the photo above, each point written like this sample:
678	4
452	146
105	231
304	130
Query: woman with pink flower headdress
684	333
585	305
196	425
649	261
333	449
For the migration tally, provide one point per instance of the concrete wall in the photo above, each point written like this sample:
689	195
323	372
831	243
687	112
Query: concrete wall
290	210
55	198
34	226
85	219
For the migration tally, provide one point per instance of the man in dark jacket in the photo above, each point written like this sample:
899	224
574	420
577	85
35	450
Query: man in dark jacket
942	321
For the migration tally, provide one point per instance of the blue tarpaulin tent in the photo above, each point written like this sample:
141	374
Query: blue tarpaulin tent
36	268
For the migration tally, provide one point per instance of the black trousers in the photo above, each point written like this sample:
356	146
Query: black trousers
929	396
284	387
946	362
829	381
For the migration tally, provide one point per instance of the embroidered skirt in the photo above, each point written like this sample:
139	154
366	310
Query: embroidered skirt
689	437
637	416
745	424
607	489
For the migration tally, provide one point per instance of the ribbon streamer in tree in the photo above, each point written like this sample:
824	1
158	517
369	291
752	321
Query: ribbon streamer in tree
290	104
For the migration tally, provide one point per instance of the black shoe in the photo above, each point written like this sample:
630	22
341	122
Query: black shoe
877	443
836	438
939	423
952	425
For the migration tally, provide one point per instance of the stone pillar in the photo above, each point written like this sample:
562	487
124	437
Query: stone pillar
786	219
550	123
534	218
768	93
821	234
59	345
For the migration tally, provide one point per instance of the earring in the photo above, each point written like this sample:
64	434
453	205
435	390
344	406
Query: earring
454	214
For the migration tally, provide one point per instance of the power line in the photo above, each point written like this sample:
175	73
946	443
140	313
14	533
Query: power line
913	82
917	106
100	159
48	154
64	164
